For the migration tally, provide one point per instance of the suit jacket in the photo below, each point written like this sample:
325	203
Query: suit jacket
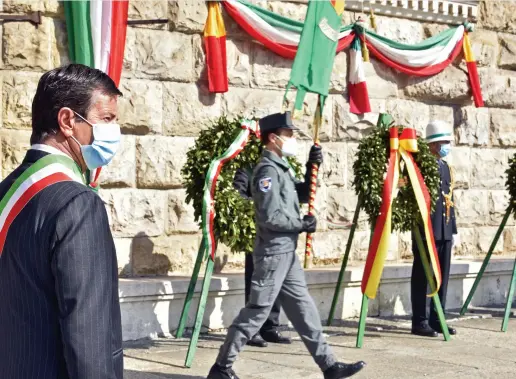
443	229
59	307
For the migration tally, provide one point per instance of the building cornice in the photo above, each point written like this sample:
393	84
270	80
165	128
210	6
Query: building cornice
445	12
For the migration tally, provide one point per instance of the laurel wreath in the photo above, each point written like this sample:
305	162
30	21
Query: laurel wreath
370	167
234	224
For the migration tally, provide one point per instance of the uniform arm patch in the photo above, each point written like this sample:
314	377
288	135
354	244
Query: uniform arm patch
265	184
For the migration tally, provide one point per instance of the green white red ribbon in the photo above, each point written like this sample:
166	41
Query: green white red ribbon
418	60
277	33
282	35
426	58
210	186
46	171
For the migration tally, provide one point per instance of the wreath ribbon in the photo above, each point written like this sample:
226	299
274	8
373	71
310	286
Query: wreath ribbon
208	202
401	147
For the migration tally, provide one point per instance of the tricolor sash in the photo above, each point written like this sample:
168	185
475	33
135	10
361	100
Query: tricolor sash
210	184
50	169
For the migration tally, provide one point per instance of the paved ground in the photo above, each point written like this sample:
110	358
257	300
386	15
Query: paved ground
479	350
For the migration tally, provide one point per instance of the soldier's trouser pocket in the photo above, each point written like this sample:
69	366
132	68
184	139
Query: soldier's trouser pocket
262	283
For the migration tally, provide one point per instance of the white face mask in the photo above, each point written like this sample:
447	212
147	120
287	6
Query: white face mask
289	147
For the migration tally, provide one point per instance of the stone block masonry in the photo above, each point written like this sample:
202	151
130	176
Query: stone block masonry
166	104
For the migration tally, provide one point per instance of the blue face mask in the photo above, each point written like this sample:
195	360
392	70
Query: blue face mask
444	150
106	141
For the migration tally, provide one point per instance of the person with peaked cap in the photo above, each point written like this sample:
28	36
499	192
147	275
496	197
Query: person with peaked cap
439	137
277	270
269	332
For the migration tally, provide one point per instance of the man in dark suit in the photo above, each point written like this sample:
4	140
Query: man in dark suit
60	313
439	137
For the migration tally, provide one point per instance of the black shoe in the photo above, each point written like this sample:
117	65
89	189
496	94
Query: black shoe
257	341
438	329
217	372
423	330
342	370
274	336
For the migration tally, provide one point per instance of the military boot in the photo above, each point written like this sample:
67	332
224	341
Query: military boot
257	341
343	370
218	372
274	336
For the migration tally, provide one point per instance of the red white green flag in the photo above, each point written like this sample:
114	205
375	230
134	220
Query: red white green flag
357	87
277	33
96	34
96	37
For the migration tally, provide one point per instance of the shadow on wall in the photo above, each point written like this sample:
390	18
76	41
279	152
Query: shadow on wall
144	260
158	314
149	259
144	317
204	96
225	299
220	263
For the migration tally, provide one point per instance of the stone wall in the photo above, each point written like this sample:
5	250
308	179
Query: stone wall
166	103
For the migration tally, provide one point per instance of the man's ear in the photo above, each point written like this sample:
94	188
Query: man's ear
272	137
66	121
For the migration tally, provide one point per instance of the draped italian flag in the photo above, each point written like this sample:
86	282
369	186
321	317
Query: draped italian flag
277	33
357	87
96	37
282	35
426	58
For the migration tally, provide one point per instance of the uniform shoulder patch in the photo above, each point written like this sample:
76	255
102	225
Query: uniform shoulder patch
265	184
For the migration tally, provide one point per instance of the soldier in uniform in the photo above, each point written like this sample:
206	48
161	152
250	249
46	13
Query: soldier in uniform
277	270
439	137
269	332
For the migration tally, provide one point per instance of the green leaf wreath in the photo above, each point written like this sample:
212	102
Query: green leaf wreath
510	182
234	216
370	167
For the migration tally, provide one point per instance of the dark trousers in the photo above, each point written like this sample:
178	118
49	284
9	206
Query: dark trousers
419	284
274	276
273	320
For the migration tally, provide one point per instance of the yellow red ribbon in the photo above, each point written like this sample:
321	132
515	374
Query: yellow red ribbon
401	147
